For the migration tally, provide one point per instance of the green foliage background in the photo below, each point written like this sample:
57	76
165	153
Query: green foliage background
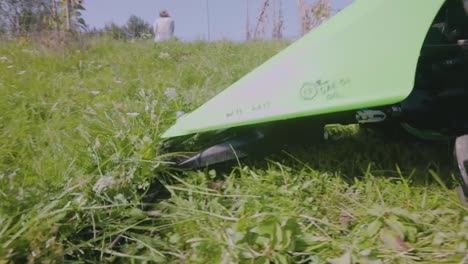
80	146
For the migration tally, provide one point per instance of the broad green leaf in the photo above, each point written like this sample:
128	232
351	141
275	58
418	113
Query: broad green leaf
373	228
391	239
393	223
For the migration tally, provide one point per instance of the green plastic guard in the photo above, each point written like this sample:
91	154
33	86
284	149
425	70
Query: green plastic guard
365	56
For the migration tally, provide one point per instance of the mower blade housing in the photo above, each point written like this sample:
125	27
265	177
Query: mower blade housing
365	56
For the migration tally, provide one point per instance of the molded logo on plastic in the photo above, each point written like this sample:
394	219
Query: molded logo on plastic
258	107
309	91
327	90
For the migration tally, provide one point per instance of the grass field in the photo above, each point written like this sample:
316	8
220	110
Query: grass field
80	147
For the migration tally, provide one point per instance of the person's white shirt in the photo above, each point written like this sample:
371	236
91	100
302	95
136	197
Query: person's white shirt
163	29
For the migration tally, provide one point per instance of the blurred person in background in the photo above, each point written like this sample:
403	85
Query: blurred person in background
163	27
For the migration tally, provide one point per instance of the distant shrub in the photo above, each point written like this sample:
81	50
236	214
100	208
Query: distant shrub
135	28
116	31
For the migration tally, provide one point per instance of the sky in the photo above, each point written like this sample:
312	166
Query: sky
227	18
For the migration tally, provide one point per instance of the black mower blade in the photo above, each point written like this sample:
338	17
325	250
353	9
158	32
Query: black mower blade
461	156
232	149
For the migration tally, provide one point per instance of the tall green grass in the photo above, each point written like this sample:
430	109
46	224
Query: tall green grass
80	147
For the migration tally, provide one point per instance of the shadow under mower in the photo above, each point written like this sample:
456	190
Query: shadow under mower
377	63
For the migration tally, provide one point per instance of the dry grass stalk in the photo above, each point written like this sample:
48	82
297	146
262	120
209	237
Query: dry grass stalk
278	22
271	11
262	19
248	35
312	15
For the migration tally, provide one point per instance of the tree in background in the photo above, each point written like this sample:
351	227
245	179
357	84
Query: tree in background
73	17
136	27
24	16
66	15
